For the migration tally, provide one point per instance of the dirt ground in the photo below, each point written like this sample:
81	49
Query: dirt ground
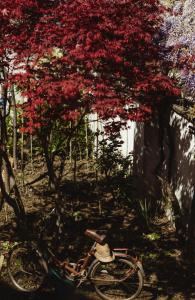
169	274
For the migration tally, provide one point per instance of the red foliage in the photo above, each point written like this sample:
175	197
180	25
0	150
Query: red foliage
104	59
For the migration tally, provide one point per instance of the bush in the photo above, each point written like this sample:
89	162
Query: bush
115	168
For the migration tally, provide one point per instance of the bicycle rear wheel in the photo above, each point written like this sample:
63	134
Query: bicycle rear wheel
24	268
118	280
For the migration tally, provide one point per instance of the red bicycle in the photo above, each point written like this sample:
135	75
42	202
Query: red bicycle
114	273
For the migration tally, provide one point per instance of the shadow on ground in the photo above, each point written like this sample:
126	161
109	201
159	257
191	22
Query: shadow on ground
168	274
61	293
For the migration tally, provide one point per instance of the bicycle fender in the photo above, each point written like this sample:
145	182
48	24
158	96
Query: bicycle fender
134	260
140	266
91	267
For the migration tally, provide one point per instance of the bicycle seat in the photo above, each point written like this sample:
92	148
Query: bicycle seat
99	238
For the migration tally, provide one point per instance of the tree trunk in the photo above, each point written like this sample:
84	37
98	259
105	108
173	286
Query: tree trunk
86	146
16	201
75	169
15	156
31	152
80	151
49	163
97	149
70	146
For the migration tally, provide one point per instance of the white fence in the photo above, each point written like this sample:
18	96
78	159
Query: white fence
127	135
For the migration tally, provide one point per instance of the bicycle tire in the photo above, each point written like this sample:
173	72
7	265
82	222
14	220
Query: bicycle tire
105	268
24	268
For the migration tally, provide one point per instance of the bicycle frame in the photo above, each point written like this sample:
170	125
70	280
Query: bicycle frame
86	261
82	263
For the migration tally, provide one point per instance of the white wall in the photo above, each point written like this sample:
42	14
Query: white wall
183	178
147	156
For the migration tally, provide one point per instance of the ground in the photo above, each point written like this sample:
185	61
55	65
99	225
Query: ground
169	274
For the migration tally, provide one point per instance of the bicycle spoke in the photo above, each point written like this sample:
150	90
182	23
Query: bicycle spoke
118	280
24	269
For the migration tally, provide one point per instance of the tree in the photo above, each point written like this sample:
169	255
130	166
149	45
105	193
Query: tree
73	57
98	55
178	33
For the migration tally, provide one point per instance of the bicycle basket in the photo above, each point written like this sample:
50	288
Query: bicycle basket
103	253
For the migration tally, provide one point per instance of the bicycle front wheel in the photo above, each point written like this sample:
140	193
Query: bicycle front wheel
118	280
24	269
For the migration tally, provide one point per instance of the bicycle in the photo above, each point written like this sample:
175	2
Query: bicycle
114	274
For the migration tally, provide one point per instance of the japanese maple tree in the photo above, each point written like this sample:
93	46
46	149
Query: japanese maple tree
95	55
72	57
